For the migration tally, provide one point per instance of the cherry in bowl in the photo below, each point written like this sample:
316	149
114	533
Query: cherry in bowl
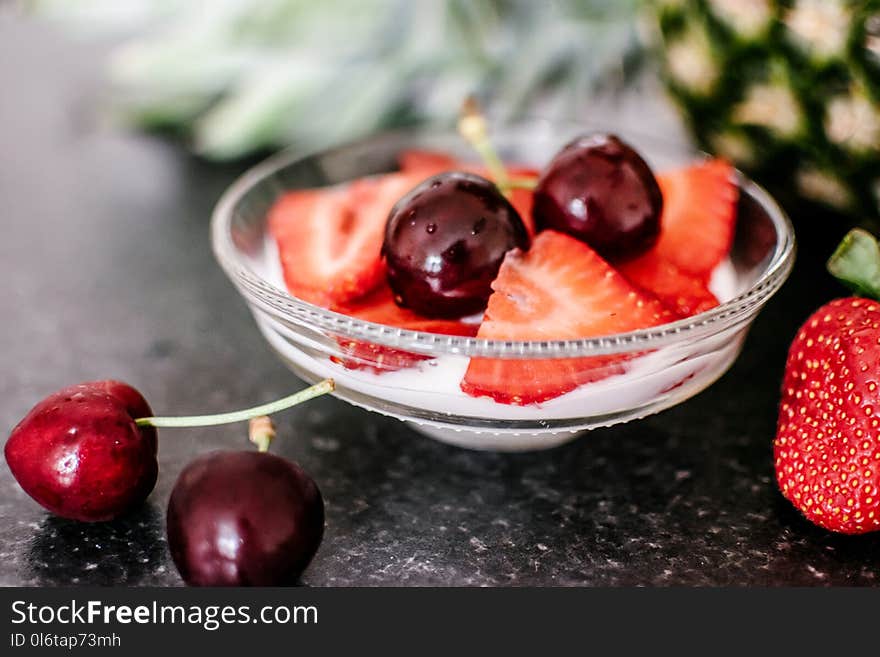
600	190
445	241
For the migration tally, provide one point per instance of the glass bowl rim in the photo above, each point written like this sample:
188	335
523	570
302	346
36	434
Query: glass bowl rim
282	305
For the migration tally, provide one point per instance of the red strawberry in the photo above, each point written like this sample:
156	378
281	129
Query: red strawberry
699	213
682	294
330	239
379	307
827	447
560	289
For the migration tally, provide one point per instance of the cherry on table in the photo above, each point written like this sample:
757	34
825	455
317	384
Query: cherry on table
599	190
88	452
244	519
80	453
444	243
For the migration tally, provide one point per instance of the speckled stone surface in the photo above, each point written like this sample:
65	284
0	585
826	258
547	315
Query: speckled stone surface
107	271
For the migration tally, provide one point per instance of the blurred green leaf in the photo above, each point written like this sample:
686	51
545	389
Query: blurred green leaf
251	74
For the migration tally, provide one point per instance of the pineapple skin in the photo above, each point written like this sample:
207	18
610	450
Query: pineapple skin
789	90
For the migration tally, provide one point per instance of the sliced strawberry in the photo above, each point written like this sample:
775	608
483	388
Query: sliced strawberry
296	221
696	230
330	239
683	294
379	307
699	213
560	289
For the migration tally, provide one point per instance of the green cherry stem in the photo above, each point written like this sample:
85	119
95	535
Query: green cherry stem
472	126
522	183
321	388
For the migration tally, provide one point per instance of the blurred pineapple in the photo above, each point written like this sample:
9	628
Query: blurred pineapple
787	89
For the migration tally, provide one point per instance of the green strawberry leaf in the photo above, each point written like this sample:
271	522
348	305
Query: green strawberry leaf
856	263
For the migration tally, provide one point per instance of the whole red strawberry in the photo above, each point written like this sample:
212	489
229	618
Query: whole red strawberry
827	447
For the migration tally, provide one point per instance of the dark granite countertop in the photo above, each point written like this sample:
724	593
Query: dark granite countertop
107	272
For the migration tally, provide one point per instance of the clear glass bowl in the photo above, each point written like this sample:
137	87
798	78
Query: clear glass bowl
665	366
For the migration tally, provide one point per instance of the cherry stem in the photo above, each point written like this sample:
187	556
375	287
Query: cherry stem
472	126
321	388
522	183
261	432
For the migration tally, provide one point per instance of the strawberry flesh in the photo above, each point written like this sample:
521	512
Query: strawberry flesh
699	214
682	294
560	289
696	230
330	239
379	307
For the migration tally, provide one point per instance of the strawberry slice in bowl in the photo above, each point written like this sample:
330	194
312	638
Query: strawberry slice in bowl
560	289
379	307
699	216
684	295
330	239
696	231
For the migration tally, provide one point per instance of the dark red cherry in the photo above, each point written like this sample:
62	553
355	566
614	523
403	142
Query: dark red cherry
599	190
80	454
444	243
244	519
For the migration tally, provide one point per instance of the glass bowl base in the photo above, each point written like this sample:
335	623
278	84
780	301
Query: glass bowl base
487	441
